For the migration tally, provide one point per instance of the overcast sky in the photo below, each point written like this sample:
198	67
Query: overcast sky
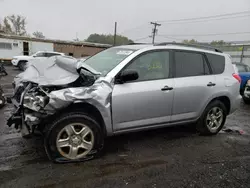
63	19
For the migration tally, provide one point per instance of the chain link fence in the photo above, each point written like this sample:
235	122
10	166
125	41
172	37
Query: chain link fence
239	53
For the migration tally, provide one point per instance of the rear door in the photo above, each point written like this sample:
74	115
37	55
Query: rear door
193	85
147	101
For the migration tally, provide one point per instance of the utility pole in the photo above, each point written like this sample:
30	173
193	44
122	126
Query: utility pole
154	30
115	33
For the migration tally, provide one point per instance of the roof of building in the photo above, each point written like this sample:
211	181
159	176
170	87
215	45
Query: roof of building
66	42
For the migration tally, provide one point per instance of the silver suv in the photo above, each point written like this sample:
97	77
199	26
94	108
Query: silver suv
124	89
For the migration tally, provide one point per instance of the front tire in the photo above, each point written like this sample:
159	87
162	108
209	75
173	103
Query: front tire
246	100
22	65
73	138
212	119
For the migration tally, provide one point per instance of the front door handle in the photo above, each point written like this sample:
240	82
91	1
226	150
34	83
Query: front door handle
210	84
166	88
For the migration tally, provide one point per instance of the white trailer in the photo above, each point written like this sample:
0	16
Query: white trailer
14	46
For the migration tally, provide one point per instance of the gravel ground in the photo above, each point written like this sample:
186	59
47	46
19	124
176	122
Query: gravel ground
169	157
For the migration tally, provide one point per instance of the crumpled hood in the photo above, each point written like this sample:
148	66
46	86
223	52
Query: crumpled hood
57	70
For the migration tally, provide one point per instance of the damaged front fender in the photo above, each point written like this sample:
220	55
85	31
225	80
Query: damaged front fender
98	95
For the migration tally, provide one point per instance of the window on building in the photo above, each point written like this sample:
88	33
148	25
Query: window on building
71	54
190	64
5	45
15	44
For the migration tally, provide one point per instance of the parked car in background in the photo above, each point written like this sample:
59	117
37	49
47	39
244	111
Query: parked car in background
124	89
244	73
21	61
246	94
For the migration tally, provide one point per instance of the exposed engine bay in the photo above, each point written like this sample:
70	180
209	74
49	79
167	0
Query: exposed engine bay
48	86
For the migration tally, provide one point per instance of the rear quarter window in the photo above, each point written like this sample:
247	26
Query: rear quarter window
217	63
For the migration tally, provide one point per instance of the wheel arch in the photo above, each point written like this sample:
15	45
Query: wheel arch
224	99
87	108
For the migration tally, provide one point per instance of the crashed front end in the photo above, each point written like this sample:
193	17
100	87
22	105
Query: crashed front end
38	100
29	101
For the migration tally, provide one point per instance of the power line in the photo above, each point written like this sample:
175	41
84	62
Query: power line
205	17
173	38
141	38
134	28
210	34
225	18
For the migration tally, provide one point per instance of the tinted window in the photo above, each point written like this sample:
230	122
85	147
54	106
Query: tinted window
217	63
40	54
190	64
51	54
151	66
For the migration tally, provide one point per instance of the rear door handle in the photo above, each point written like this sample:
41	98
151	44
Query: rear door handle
166	88
210	84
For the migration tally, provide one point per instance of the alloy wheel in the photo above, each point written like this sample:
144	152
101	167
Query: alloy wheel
214	119
75	141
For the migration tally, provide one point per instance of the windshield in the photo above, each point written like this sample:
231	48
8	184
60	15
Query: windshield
106	60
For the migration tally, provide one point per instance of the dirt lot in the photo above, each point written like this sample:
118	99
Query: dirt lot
170	157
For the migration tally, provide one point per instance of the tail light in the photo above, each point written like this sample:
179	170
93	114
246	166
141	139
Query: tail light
237	77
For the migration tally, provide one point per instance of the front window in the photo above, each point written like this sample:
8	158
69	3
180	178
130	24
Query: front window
39	54
151	66
106	60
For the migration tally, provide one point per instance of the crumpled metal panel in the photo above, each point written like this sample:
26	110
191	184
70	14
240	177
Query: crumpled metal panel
60	70
56	70
99	95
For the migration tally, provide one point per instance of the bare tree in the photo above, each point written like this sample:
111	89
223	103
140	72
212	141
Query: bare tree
7	27
18	24
39	35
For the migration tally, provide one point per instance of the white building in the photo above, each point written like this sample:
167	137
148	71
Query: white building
14	45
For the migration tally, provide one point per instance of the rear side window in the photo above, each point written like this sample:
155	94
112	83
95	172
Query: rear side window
190	64
217	63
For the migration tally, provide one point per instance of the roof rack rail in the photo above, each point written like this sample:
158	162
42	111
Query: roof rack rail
207	47
134	43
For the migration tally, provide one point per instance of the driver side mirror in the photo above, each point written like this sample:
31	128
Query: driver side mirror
128	75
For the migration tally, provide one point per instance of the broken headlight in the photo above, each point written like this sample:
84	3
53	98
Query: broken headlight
35	102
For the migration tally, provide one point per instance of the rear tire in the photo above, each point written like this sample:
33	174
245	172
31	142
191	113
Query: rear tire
212	119
61	130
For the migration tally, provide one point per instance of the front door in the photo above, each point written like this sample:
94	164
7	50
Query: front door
25	48
146	101
194	85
